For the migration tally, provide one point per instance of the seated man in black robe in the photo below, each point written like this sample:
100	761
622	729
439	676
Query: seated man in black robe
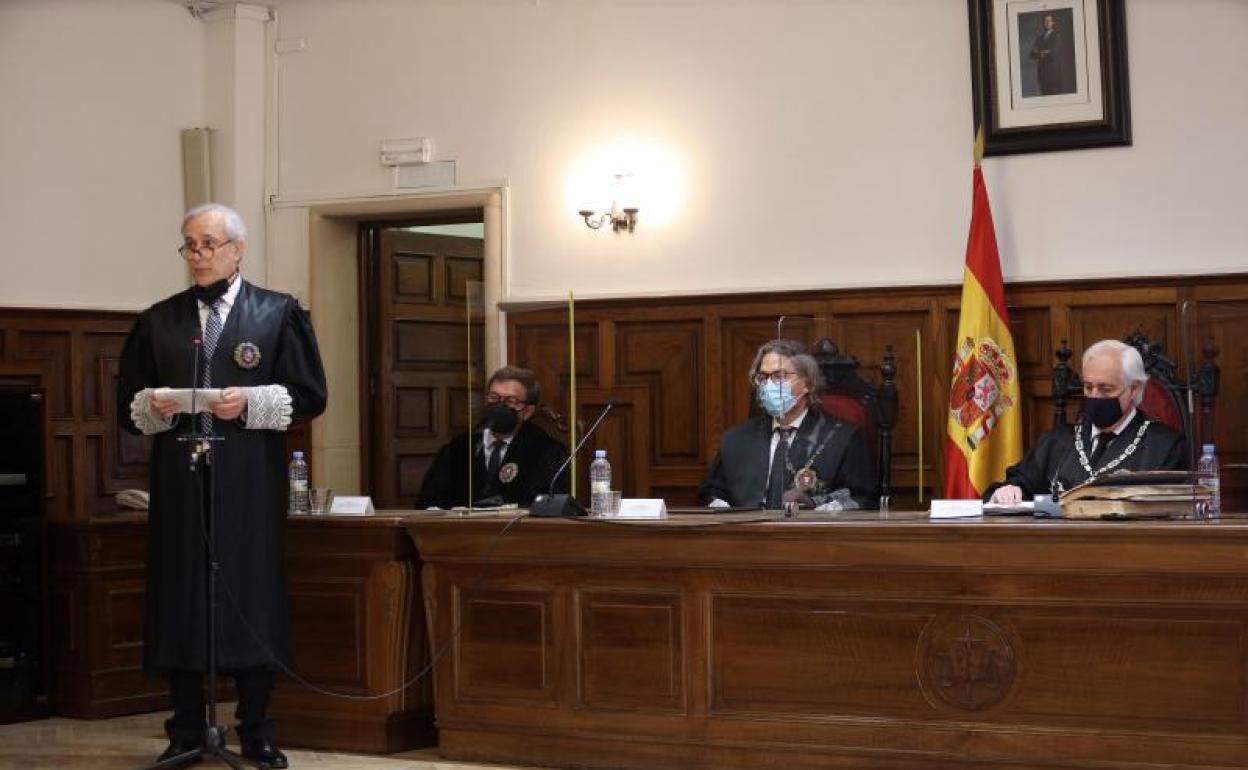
512	459
794	454
1112	433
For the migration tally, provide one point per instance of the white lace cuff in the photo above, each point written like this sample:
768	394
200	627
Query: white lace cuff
269	407
144	417
718	502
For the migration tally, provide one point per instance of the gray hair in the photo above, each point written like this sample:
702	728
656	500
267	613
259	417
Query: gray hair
1129	360
235	229
804	363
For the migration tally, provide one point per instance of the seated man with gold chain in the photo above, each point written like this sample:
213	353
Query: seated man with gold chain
1112	433
795	453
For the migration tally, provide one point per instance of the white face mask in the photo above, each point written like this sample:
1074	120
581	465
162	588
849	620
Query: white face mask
776	398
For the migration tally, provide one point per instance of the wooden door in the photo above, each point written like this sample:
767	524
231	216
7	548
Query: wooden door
416	289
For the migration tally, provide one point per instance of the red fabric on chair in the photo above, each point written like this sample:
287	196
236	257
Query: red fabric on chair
1159	404
850	409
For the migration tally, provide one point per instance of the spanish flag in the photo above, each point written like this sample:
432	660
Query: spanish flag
985	427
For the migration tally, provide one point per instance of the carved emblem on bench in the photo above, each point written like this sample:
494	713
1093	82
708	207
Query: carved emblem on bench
966	662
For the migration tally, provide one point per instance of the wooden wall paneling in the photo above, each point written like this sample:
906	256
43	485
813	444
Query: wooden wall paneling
416	297
1031	329
358	626
540	343
713	403
863	331
625	434
60	479
96	619
1224	322
74	354
1090	324
633	650
52	348
741	336
505	646
942	327
732	327
902	644
666	358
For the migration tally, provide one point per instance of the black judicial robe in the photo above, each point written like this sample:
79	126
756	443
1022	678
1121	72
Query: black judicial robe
738	474
249	481
1055	461
534	453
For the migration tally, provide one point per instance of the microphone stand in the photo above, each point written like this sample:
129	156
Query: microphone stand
200	451
551	505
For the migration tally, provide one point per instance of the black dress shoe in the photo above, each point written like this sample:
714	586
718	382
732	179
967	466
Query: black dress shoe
179	746
264	754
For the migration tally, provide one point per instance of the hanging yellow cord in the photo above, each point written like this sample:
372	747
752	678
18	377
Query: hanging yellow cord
918	378
572	390
468	337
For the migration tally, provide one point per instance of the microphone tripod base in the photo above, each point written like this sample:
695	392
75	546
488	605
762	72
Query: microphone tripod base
556	506
213	748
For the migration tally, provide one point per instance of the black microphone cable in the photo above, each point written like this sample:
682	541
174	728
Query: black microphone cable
435	656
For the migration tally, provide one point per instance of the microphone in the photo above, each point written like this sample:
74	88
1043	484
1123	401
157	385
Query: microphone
197	343
551	505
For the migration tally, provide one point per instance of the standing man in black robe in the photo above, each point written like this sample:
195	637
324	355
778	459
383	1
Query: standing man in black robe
258	346
794	454
512	460
1112	434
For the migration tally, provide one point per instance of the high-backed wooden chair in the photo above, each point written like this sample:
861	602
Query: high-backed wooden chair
555	423
1185	406
852	399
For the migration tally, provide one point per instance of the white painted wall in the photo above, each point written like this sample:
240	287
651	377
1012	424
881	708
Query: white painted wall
92	97
818	142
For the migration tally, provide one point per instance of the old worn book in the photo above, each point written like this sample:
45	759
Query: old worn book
1092	508
1134	494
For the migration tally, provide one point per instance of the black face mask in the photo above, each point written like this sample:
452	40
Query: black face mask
1102	412
500	419
212	292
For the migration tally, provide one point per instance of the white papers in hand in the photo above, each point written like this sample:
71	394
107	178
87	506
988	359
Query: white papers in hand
204	398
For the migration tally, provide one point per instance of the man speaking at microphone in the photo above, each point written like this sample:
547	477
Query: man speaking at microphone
512	460
258	347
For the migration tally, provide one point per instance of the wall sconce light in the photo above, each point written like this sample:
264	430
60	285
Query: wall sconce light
618	218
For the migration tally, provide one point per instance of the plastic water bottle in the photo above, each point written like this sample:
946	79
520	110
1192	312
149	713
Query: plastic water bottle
298	476
1207	476
599	483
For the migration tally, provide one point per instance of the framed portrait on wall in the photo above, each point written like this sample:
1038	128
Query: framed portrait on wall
1049	74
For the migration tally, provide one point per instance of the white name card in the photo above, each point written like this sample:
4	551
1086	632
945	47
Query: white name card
351	506
957	509
641	508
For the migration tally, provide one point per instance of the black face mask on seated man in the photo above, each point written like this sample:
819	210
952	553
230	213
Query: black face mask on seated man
501	419
1102	412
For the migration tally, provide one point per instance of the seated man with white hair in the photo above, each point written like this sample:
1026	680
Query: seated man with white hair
1112	433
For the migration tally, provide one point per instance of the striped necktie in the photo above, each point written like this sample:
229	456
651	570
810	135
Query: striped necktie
212	334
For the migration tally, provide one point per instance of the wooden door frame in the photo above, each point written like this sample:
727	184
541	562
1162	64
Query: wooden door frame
332	263
369	232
